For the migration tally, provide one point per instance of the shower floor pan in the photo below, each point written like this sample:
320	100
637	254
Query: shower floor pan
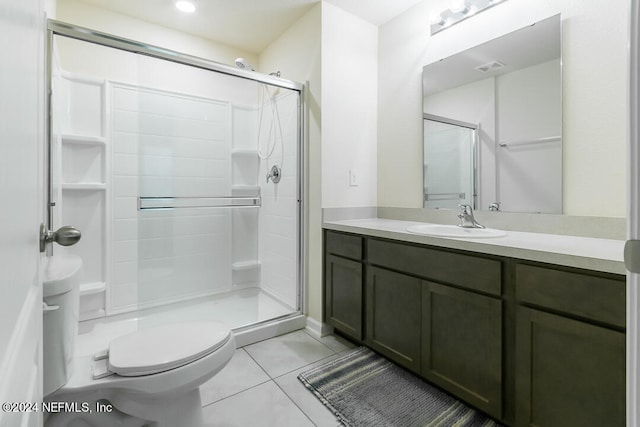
252	313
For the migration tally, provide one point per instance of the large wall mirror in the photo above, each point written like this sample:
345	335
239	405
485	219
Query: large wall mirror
493	124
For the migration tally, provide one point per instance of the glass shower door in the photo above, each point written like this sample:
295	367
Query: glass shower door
449	163
182	221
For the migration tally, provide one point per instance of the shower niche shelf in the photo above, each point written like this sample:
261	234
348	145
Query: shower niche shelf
83	139
245	273
82	160
92	297
245	265
244	167
80	170
89	186
244	152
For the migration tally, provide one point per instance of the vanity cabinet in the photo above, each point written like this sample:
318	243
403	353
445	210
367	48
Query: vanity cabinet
443	312
462	344
570	348
343	283
393	316
530	344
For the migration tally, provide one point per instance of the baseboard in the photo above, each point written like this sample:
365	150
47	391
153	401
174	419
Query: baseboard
318	329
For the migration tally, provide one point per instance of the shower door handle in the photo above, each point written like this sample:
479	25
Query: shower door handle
64	236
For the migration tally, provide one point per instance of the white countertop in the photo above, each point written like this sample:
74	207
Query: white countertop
582	252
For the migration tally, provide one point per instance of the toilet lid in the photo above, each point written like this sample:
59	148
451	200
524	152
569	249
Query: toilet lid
153	350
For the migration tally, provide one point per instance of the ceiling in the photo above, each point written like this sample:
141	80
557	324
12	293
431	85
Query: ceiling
248	24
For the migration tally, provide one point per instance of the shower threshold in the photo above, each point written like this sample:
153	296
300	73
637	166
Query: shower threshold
252	313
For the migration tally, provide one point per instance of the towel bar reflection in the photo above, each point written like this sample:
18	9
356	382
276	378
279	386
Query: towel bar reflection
146	203
444	196
531	141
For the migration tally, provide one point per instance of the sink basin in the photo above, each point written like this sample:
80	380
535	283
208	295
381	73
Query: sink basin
440	230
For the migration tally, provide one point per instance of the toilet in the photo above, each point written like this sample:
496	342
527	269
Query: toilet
150	377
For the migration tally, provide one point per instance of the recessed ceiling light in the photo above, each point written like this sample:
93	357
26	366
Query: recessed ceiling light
186	6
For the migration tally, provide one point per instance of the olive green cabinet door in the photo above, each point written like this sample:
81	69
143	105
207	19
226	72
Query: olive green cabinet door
343	295
393	316
568	373
462	344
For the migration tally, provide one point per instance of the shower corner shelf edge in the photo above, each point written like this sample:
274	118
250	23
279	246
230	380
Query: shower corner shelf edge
244	152
83	186
92	288
83	139
245	265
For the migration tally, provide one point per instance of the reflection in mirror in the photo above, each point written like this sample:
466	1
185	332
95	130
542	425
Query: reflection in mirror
510	89
449	162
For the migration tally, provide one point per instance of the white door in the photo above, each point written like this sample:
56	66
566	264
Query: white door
633	279
21	206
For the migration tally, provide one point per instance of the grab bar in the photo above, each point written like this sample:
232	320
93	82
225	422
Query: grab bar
530	141
145	203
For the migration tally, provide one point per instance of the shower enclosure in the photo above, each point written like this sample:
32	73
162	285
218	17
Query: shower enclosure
449	163
185	178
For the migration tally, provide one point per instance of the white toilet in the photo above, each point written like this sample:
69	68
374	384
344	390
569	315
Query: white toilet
146	378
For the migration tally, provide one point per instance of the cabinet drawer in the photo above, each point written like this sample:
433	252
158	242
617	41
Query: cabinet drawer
346	245
595	298
466	271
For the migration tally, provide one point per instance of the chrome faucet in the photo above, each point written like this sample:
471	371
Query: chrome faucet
466	217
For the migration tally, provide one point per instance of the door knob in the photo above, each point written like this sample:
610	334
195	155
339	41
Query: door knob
64	236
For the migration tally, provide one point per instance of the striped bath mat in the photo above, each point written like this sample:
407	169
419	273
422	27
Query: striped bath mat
364	389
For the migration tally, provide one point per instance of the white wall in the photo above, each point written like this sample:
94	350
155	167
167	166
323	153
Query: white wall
296	54
530	175
526	179
594	95
349	109
335	53
96	18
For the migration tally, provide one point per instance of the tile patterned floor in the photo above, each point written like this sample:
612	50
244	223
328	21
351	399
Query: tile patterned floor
259	386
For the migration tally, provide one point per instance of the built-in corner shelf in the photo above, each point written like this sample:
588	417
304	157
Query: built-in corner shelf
244	152
245	265
89	186
92	300
245	190
92	288
83	140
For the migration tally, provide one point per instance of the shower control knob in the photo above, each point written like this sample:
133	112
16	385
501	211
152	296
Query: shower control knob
64	236
274	174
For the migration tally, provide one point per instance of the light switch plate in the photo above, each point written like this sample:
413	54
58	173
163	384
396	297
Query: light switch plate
353	178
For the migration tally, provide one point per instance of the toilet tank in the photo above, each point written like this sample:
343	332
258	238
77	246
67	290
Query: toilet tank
60	294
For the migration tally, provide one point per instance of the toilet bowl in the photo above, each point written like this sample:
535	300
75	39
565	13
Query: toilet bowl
149	377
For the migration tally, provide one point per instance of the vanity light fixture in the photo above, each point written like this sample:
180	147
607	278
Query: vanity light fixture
459	11
186	6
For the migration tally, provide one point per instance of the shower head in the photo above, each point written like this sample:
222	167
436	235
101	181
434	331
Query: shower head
244	65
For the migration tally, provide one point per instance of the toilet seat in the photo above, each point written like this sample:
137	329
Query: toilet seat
154	350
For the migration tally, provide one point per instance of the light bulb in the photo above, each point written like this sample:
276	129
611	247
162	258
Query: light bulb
459	6
436	19
186	6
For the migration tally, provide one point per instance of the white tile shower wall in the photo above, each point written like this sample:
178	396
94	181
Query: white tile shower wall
168	145
278	214
246	266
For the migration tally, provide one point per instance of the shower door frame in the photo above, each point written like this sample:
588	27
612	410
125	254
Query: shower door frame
64	29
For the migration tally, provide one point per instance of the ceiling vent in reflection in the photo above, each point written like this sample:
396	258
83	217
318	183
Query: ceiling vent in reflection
489	66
